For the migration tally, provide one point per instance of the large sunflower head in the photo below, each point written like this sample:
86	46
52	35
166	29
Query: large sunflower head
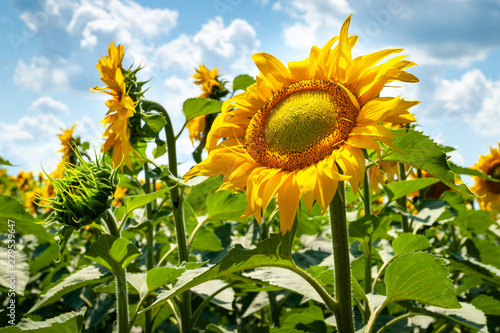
489	191
288	134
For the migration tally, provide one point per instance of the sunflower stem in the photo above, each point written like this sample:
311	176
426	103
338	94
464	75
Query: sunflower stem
121	280
367	244
175	195
402	200
342	265
150	240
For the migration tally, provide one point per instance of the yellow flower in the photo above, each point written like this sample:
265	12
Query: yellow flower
288	132
24	180
66	138
381	174
121	106
197	127
119	195
207	79
489	190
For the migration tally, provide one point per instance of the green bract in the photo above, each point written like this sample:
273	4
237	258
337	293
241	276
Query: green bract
84	194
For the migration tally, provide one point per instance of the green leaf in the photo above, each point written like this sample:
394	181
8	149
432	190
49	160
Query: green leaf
474	267
272	252
3	161
22	221
470	172
79	278
135	201
302	316
420	277
396	190
488	251
113	253
159	276
224	299
407	242
478	221
67	322
421	152
161	148
14	264
155	121
242	82
49	254
467	316
286	279
206	240
226	205
362	228
488	304
194	107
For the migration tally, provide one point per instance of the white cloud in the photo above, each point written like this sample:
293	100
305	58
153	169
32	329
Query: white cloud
312	19
214	43
472	100
44	75
31	141
127	21
48	105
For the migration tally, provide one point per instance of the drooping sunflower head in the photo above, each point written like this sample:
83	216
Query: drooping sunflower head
121	118
84	194
291	131
489	191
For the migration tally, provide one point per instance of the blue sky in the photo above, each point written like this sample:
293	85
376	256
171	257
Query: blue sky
50	48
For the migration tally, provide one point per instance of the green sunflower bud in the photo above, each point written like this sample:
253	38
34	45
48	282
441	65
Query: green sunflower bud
84	194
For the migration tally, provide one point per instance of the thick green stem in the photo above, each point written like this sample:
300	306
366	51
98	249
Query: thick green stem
175	195
342	265
402	200
121	280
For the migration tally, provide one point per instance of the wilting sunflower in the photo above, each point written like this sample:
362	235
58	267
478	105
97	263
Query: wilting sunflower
207	79
289	131
121	106
489	190
66	138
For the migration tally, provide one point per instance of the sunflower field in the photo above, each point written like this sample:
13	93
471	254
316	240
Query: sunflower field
315	206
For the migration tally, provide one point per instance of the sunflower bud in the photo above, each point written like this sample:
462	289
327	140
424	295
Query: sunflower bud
84	194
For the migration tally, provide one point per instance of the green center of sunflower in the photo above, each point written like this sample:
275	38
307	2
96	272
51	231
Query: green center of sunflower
494	172
301	124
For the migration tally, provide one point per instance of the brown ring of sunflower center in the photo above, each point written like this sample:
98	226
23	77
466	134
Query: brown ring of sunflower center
494	172
301	124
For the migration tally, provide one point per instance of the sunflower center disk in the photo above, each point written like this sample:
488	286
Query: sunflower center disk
301	124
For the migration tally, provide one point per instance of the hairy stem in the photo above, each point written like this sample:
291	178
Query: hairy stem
342	265
402	200
175	195
121	280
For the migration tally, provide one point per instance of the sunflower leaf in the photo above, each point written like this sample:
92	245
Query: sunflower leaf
420	151
470	172
421	277
87	275
14	216
3	161
396	190
194	107
242	82
68	322
135	201
113	253
272	252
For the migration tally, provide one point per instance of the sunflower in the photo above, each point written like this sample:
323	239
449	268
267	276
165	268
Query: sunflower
487	189
66	138
207	79
121	106
288	134
212	88
382	173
